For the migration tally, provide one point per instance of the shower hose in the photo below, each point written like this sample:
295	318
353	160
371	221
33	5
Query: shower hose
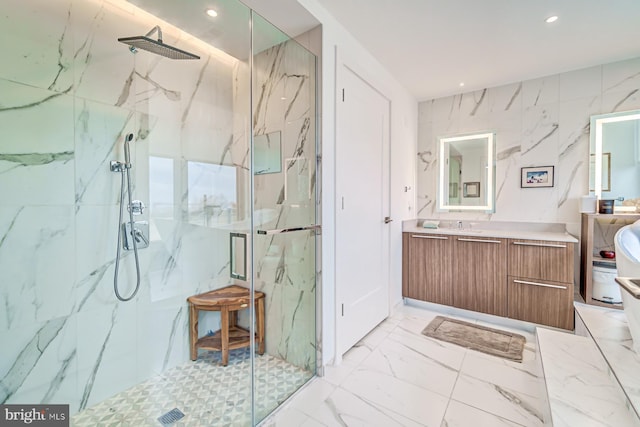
121	225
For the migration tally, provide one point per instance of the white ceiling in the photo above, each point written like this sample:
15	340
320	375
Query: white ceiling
430	46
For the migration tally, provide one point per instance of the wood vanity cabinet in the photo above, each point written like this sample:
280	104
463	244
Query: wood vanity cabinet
530	280
540	282
426	273
479	272
461	271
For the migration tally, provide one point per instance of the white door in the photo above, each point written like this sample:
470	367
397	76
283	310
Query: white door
362	190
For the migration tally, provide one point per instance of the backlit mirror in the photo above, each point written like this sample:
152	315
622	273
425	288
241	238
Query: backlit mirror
466	173
614	168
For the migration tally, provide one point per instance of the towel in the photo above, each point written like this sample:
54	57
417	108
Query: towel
430	224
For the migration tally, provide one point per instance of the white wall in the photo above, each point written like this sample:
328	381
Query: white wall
403	142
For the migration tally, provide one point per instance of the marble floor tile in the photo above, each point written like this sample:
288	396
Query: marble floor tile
344	408
523	408
461	415
396	376
312	396
521	377
396	395
413	366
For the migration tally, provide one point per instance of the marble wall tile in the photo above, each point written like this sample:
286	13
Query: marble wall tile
100	134
547	123
96	244
35	280
36	161
540	92
40	365
621	76
107	346
38	55
163	335
586	82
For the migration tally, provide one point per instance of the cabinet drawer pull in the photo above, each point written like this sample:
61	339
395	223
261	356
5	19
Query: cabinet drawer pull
478	240
544	245
422	236
544	285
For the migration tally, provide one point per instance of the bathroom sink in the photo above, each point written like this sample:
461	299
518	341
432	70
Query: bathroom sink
627	244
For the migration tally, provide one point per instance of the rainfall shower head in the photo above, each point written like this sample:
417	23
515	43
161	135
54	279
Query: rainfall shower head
157	47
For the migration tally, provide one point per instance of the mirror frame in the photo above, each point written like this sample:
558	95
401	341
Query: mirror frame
597	121
491	161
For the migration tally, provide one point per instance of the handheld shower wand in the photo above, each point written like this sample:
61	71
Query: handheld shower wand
127	153
125	169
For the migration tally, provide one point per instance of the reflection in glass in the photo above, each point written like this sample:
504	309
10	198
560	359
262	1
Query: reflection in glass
297	185
213	194
466	178
161	187
266	155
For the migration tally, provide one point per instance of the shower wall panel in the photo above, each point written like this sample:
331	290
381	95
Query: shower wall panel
284	101
69	93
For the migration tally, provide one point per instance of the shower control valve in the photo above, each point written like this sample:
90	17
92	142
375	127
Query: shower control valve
136	207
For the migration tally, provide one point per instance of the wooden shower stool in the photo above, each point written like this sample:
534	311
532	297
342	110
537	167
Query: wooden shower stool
228	301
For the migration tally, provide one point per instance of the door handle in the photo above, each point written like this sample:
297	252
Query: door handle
387	219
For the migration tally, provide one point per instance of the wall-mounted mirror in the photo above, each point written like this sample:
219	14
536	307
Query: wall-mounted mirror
267	157
466	174
238	254
614	169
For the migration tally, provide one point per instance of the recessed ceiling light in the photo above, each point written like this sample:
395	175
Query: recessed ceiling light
212	13
551	19
461	84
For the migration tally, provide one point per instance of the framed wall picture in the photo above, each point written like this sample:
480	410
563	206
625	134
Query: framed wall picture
538	176
471	189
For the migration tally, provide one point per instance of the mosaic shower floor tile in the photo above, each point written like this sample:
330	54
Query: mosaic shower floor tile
208	393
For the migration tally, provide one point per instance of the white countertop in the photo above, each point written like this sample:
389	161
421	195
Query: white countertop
501	229
609	330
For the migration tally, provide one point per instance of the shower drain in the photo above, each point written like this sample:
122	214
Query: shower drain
171	417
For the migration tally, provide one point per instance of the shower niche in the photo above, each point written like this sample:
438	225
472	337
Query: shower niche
187	134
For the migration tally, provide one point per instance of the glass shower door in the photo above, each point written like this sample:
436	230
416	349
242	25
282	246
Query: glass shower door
284	212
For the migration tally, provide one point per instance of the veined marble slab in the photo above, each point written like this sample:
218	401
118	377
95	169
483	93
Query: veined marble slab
580	389
504	229
609	330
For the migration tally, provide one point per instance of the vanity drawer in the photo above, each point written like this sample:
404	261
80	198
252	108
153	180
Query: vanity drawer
545	302
541	260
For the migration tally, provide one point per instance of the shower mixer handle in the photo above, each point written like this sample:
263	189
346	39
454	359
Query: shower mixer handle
136	207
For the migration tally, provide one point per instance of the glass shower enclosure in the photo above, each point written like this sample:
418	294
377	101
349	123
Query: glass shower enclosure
209	125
